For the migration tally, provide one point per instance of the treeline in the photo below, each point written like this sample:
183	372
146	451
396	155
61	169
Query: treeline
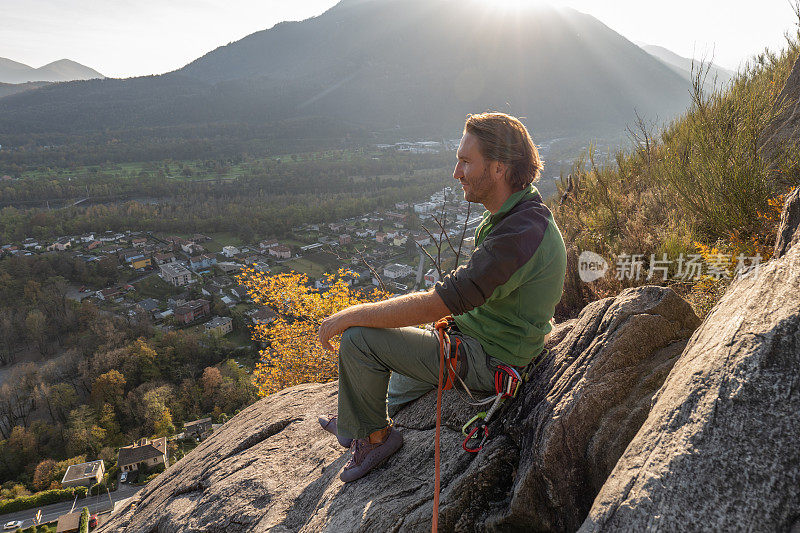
334	171
247	207
31	150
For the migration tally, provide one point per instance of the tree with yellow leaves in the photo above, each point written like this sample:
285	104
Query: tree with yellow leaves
293	355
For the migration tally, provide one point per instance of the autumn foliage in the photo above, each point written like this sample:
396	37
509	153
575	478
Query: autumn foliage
293	355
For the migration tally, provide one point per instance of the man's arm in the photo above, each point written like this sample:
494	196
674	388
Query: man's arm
406	310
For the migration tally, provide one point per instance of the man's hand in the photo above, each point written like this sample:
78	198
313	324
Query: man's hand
332	326
408	310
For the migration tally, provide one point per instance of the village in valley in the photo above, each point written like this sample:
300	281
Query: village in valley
190	281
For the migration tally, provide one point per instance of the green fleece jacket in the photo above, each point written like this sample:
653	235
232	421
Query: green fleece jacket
506	294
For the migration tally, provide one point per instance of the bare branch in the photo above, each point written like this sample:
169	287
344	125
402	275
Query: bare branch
446	236
365	262
431	258
463	232
436	262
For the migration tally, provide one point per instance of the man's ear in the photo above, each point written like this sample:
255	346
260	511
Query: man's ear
499	170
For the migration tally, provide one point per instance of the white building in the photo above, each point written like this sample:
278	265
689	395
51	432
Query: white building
425	207
281	252
396	270
228	266
175	273
431	277
230	251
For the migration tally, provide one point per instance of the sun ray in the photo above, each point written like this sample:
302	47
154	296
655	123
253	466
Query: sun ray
518	5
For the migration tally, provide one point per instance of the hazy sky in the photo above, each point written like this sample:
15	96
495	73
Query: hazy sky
123	38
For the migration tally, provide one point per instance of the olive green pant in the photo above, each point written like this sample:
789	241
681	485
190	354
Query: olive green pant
381	370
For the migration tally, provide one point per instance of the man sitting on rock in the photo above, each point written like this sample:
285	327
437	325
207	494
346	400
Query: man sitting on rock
502	301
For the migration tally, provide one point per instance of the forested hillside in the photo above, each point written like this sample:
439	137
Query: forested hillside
354	71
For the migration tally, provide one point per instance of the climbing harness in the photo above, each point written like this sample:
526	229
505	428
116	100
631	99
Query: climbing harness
507	382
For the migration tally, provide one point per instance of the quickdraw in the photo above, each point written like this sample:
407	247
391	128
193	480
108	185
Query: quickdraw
507	382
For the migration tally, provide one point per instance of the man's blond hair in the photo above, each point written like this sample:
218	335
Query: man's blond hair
505	139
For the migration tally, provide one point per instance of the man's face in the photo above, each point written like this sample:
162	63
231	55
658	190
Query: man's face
473	170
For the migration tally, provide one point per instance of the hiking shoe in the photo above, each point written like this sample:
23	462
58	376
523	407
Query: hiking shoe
367	456
328	423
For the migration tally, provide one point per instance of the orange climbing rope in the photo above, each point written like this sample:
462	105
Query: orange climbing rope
437	445
445	360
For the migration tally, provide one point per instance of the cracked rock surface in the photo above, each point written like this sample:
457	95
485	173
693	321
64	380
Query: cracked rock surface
272	468
720	450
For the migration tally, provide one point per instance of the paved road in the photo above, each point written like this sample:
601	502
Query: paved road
53	511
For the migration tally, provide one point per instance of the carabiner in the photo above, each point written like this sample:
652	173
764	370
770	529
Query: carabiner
479	416
471	435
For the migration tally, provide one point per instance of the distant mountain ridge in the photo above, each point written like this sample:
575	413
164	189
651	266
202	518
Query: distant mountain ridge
410	68
684	65
61	70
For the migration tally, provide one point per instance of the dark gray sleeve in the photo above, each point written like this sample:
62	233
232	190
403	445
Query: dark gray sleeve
512	243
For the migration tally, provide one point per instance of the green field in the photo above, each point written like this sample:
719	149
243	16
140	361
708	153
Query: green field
155	287
305	266
315	264
198	170
122	170
218	240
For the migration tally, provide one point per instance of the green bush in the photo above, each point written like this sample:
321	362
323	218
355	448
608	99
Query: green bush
700	182
97	488
113	472
143	469
83	525
151	473
39	499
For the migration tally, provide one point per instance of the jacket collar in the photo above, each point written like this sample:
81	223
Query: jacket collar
511	201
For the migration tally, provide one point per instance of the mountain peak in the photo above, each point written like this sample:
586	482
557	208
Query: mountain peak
395	67
60	70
